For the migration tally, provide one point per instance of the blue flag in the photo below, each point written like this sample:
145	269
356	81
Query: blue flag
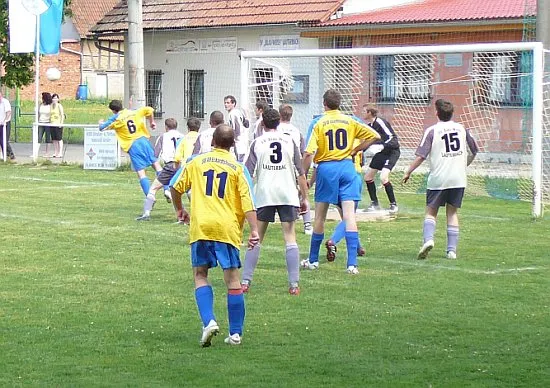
50	27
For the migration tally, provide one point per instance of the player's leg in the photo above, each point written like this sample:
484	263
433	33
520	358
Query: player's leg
326	192
228	256
434	199
201	260
150	200
287	215
317	237
144	182
306	217
388	187
351	235
337	236
454	202
371	187
253	255
350	194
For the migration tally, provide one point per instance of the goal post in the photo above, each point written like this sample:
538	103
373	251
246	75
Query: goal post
500	91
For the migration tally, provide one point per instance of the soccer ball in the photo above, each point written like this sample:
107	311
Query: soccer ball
53	74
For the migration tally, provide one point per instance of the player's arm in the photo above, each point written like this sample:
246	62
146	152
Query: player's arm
251	159
106	124
158	146
8	111
313	177
414	165
472	147
148	113
421	153
182	185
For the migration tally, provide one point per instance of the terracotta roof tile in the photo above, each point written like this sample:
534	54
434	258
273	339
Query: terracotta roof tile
86	13
167	14
441	11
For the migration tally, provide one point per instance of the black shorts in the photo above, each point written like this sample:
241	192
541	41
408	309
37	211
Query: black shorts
385	159
286	213
437	198
167	172
57	133
44	131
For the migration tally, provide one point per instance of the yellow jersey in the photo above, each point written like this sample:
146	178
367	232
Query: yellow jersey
221	194
331	136
129	125
184	150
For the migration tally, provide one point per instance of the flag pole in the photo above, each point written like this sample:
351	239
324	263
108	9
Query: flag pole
36	91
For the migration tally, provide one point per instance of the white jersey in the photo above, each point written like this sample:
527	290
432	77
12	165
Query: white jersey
204	141
292	131
236	121
165	147
446	146
274	162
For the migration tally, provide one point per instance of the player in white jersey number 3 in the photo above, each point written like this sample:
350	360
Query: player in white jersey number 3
275	161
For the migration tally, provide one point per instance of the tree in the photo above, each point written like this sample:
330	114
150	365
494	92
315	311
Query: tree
18	68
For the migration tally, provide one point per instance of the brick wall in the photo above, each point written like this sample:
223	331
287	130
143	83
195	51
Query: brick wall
69	65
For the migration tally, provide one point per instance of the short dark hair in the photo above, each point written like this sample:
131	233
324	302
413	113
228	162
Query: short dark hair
55	95
171	123
271	118
444	109
216	118
46	98
115	105
232	98
193	124
224	137
286	112
332	99
262	104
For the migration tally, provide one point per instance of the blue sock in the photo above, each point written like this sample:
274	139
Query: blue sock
339	232
352	242
204	297
316	241
166	187
145	185
235	311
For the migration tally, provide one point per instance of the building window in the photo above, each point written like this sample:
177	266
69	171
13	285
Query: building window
263	81
503	79
194	93
404	78
153	91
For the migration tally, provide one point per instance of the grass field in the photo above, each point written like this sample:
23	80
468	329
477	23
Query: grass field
77	112
89	297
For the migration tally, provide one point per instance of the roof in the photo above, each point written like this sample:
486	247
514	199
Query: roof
87	13
441	11
179	14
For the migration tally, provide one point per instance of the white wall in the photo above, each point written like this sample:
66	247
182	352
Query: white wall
222	69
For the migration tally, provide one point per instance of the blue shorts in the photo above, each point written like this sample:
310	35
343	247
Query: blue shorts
206	253
337	181
142	154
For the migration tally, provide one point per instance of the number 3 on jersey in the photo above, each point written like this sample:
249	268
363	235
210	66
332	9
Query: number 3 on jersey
131	126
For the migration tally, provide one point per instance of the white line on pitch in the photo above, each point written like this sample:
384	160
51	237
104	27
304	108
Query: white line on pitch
427	264
82	183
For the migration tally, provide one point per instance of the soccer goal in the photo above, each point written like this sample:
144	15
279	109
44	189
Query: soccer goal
500	92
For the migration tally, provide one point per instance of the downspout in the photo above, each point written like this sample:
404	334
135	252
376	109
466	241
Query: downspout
77	53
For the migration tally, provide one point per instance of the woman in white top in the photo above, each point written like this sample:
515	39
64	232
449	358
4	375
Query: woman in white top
44	114
57	116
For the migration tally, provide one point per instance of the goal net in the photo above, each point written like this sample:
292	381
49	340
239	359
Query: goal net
500	93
